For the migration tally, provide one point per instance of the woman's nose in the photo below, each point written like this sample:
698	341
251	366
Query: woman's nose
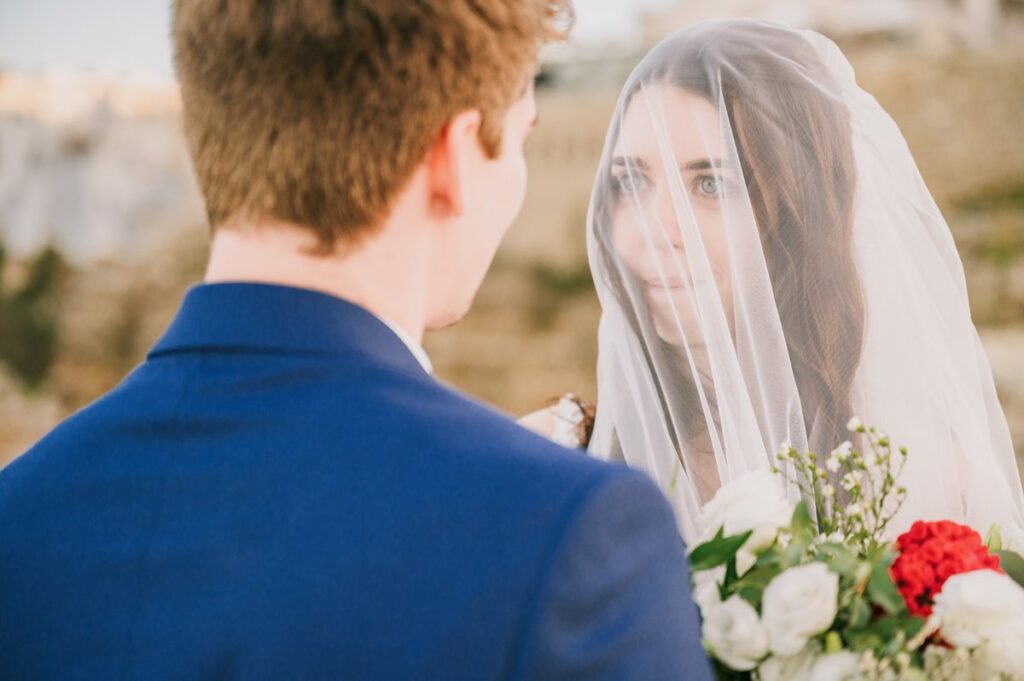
668	220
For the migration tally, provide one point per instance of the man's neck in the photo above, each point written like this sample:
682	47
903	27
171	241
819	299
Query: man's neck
375	276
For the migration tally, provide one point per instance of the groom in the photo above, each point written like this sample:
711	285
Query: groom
282	490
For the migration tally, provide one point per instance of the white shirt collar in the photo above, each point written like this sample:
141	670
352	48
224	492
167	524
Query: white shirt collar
415	348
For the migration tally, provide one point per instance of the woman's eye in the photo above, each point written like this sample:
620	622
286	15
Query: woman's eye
708	185
632	181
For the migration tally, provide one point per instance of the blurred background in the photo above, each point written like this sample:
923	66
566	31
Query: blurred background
102	228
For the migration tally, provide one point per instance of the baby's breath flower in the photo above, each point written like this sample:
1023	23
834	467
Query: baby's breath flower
828	491
839	456
868	663
850	481
855	425
854	511
843	450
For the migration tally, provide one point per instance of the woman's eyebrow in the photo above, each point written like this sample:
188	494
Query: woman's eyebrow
631	162
702	164
698	164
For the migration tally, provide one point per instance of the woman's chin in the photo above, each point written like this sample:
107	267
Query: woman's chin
677	335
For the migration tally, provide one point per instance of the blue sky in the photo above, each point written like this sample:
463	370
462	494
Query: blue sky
132	35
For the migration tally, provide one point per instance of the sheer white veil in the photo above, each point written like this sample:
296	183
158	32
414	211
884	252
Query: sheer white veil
770	263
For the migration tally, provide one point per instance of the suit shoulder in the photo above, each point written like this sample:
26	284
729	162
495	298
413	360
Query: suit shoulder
448	425
467	424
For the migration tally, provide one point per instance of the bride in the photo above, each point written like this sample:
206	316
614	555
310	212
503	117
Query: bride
770	263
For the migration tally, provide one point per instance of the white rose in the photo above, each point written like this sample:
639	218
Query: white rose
752	502
793	668
798	604
706	591
734	634
1001	654
976	606
841	666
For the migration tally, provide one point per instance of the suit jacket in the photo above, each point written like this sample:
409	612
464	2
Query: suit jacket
281	491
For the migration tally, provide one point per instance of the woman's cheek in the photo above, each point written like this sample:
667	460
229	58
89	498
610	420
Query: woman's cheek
628	243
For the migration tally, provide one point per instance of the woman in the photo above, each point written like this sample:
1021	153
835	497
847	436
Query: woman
770	263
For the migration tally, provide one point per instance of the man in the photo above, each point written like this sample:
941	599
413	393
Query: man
282	490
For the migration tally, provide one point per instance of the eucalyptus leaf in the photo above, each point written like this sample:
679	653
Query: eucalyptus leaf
793	554
882	590
864	641
913	625
718	551
1013	565
759	577
860	613
840	559
802	525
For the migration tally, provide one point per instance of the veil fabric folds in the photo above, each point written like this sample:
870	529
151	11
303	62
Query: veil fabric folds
769	264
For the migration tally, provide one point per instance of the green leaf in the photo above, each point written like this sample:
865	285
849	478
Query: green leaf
913	625
840	559
994	539
886	635
751	586
891	630
1013	565
882	590
718	551
860	613
802	525
730	572
864	641
751	595
759	576
793	554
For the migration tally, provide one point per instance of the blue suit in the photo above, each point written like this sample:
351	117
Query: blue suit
280	491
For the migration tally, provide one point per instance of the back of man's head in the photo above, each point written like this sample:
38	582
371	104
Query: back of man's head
317	112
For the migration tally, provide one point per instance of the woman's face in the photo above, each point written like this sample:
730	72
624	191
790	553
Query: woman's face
646	230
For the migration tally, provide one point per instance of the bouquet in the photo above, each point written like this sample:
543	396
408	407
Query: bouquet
814	591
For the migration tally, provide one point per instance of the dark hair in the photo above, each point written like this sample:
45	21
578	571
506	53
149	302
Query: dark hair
317	112
801	193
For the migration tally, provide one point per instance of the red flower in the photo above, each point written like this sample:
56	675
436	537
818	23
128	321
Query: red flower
931	553
945	530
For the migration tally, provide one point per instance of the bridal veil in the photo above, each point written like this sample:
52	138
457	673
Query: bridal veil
770	263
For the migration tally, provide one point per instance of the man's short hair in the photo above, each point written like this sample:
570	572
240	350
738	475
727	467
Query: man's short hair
317	112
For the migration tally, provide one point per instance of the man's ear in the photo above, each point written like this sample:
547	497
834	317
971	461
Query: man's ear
448	160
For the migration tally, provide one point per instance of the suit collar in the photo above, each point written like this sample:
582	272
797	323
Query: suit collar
262	317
